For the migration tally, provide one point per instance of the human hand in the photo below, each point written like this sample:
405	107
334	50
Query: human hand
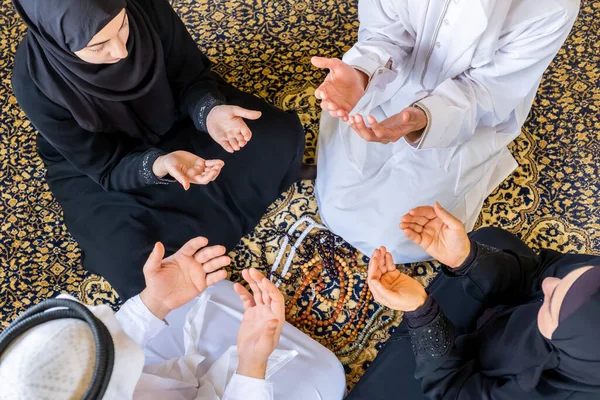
176	280
343	86
439	233
392	288
262	323
187	168
226	126
410	123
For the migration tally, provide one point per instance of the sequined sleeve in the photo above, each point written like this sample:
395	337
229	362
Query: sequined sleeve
431	334
145	172
202	109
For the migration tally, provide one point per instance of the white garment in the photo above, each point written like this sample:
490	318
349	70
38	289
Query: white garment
474	66
194	356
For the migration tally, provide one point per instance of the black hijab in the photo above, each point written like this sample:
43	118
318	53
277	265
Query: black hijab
132	96
510	344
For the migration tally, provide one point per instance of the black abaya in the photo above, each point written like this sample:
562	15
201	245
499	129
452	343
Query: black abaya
114	206
496	350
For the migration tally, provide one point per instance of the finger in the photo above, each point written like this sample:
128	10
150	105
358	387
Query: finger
276	298
208	253
381	265
155	259
179	176
412	236
341	114
216	277
265	295
373	272
415	219
245	296
216	264
215	163
256	292
447	218
362	130
321	62
246	133
377	129
389	262
234	144
380	293
191	247
225	144
247	114
414	227
423	211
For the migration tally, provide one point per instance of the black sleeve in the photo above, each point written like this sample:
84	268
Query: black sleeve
494	276
444	371
194	85
108	159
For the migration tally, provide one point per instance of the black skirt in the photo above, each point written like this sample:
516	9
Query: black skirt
116	231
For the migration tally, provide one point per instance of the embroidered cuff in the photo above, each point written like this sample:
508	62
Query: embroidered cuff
478	252
433	340
146	173
202	109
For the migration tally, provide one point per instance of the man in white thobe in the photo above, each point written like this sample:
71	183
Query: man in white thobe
174	341
422	109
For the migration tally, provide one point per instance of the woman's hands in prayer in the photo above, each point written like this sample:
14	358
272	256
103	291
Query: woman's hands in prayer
226	126
410	123
187	168
176	280
343	86
262	323
439	233
392	288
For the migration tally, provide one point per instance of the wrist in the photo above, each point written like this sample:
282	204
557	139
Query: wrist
155	306
462	256
252	368
158	168
421	300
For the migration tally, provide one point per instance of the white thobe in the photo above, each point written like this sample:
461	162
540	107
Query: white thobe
193	355
474	67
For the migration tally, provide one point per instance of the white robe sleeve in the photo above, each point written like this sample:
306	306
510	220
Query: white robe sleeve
245	388
382	36
499	92
138	322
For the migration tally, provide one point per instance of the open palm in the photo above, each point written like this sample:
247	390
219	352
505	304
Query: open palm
178	279
439	233
263	320
392	288
343	86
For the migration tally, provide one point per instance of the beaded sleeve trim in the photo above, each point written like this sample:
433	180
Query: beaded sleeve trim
433	340
202	109
146	173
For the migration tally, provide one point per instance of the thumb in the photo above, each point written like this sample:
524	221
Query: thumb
321	62
447	218
247	114
155	259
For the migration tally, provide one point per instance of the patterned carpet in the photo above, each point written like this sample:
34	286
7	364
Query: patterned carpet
264	47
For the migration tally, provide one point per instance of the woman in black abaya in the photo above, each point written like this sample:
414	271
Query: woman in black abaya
500	323
142	143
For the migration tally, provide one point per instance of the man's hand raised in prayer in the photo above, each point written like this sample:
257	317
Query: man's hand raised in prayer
178	279
410	123
392	288
262	323
439	233
343	86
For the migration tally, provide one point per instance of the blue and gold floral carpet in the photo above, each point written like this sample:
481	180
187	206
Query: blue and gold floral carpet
264	47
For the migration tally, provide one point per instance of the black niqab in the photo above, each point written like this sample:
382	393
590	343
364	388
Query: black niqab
132	96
